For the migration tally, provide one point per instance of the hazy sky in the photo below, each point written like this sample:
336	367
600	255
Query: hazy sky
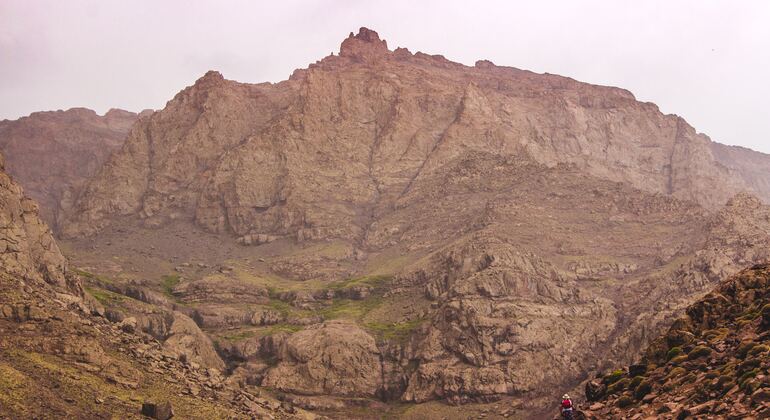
708	61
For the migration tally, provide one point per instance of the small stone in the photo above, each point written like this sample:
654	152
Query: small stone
162	411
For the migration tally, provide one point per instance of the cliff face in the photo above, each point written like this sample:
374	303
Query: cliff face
52	153
753	167
273	159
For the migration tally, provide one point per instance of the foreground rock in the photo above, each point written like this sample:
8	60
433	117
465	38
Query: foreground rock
713	363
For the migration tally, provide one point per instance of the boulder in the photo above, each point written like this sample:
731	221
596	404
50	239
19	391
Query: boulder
334	358
161	411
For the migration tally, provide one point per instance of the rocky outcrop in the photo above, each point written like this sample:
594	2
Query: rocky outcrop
712	363
265	160
27	248
334	358
52	154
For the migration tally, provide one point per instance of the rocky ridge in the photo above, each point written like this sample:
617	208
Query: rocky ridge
53	153
264	159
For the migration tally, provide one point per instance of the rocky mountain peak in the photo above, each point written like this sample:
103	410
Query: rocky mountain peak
364	45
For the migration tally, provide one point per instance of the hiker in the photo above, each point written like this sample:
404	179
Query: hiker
566	407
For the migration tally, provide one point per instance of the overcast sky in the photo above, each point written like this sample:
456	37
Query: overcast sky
707	61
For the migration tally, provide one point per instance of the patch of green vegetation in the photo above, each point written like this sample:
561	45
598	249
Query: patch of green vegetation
673	352
635	382
746	376
743	349
758	349
677	371
698	352
375	282
715	334
613	377
644	388
350	308
13	389
398	331
625	401
239	335
93	277
105	297
618	387
679	359
281	307
168	282
282	327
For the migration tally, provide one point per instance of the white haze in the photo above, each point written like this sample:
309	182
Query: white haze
707	61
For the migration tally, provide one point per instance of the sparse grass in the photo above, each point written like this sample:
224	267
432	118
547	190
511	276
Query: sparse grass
13	388
240	335
168	282
350	309
105	297
399	331
376	281
96	278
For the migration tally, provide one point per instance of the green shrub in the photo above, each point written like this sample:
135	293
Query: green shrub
698	352
679	359
761	348
677	371
635	382
644	388
673	352
746	377
613	377
168	283
625	401
618	386
743	349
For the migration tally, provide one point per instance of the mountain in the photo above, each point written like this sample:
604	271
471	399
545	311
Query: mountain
273	158
61	358
53	153
386	230
713	362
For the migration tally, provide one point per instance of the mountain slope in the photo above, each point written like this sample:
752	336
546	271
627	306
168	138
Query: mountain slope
52	153
712	363
60	358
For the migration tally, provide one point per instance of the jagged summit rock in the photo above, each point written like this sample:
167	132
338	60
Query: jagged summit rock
364	45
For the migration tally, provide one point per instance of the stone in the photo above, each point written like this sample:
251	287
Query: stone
160	411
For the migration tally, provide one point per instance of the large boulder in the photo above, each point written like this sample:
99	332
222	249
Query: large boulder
334	358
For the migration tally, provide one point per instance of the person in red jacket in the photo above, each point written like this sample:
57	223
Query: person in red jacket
566	407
